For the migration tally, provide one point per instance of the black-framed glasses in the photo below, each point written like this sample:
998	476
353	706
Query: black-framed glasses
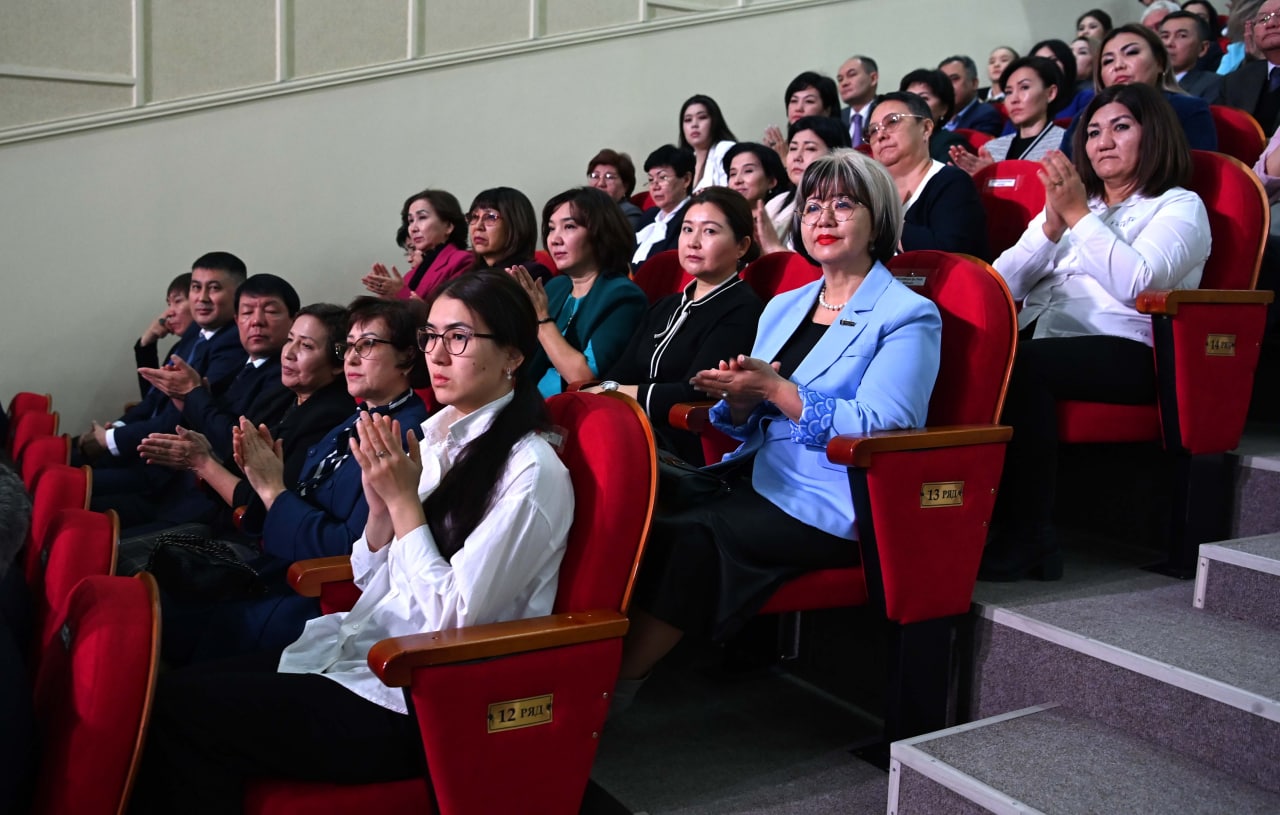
455	340
889	124
363	347
489	216
843	208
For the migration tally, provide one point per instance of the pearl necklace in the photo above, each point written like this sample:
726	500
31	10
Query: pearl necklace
822	301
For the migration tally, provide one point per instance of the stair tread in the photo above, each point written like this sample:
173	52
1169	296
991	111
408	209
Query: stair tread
1266	546
1160	624
1062	762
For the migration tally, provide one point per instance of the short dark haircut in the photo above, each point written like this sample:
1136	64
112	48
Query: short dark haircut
626	167
680	159
269	285
517	213
832	133
609	233
402	237
868	64
335	320
970	67
719	129
15	516
937	83
1049	74
824	85
446	208
737	214
1098	14
222	262
1165	157
456	507
915	103
1202	28
1062	53
402	318
769	160
181	283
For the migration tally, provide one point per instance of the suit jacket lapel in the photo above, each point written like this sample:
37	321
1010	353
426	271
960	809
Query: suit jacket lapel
847	327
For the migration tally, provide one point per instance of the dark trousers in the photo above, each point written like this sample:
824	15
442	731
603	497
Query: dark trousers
216	726
1093	369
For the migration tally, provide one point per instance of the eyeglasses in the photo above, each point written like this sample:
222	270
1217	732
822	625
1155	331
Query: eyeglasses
889	124
363	346
489	216
606	176
659	180
1263	19
455	340
843	208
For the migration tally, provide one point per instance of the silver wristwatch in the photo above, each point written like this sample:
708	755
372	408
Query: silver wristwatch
608	385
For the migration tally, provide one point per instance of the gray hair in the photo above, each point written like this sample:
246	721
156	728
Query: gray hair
970	68
849	172
15	516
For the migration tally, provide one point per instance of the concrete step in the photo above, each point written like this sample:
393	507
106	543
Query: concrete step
1256	504
1145	662
1241	579
1054	760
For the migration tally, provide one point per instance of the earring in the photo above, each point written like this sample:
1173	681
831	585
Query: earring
508	373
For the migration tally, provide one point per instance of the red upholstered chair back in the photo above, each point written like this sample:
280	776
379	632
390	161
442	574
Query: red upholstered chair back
93	696
28	401
999	108
1239	219
32	426
1239	134
79	543
643	200
39	452
976	138
978	333
661	275
777	272
545	259
609	451
1011	196
56	487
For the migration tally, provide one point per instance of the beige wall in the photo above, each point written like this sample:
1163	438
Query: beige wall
308	185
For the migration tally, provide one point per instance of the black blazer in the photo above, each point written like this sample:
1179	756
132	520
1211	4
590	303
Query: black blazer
249	394
671	241
948	216
1243	88
1204	84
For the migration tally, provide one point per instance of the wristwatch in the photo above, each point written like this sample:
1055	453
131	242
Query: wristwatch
609	385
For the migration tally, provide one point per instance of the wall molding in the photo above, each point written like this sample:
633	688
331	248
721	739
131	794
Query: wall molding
144	111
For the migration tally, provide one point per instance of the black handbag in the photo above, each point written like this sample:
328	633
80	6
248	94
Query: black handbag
682	485
204	569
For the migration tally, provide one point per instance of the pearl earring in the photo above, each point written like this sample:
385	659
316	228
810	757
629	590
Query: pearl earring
508	373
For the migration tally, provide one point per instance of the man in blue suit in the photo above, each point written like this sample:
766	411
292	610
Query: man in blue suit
971	113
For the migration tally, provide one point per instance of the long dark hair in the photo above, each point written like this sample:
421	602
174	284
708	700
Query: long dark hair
719	129
446	208
456	507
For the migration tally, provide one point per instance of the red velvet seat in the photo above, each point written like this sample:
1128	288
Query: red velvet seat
1239	134
22	403
661	275
976	138
924	498
643	200
78	543
56	487
545	259
465	681
1011	196
30	426
777	272
1207	343
93	696
41	451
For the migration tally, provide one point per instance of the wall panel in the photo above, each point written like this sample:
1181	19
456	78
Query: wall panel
200	48
330	35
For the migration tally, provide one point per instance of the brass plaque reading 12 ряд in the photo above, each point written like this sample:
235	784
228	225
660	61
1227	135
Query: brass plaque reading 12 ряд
519	713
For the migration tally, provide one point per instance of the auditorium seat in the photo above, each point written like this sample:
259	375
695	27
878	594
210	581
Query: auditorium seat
544	257
777	272
1011	196
661	275
924	498
1239	134
554	675
41	451
56	487
22	403
975	138
31	425
78	543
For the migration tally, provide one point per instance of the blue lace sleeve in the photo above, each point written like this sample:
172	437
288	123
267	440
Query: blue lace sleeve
814	426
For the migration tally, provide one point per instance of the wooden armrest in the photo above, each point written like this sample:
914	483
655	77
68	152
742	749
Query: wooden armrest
691	416
394	659
307	576
857	450
1166	301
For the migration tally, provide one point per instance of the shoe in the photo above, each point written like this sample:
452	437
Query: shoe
1010	558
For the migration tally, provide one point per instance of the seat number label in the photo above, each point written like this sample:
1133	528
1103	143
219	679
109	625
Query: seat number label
520	713
941	494
1220	345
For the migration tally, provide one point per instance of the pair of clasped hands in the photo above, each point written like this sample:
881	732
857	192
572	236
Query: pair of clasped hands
742	382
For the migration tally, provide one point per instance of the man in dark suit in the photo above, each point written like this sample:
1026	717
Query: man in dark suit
1186	37
971	113
1255	86
858	80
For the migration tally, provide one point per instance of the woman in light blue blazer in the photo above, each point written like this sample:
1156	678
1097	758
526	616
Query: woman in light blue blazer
853	352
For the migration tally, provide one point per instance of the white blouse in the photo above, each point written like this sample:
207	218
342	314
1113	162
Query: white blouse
713	172
507	570
1088	282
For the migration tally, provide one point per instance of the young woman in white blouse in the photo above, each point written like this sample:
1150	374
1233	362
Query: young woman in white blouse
466	527
1115	222
703	130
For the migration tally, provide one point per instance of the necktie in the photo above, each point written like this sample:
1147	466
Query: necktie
1273	83
855	127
